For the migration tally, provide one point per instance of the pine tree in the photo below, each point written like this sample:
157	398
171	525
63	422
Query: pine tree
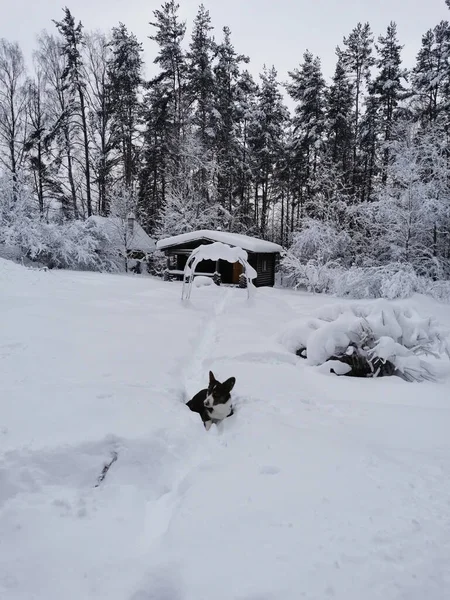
307	89
63	128
431	73
266	137
339	120
164	113
156	153
73	77
357	60
388	88
229	101
171	60
124	73
200	89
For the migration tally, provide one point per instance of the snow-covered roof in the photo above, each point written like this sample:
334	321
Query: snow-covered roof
114	228
233	239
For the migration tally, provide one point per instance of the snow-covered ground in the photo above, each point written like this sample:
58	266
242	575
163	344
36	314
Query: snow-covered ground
318	487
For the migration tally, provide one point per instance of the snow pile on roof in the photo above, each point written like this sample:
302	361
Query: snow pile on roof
233	239
217	251
385	332
117	231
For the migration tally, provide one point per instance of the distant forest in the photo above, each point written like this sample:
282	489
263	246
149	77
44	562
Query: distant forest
358	174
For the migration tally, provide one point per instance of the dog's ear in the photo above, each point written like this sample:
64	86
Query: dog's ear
229	384
212	379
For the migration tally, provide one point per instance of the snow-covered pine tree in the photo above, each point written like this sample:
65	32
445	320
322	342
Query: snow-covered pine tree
266	140
74	79
200	90
164	113
357	61
63	136
246	106
171	59
125	77
388	86
156	157
307	89
431	74
230	117
339	118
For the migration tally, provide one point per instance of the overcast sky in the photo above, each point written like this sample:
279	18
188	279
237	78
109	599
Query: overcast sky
269	31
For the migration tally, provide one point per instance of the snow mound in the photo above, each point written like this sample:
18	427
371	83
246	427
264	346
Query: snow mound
11	272
379	333
202	281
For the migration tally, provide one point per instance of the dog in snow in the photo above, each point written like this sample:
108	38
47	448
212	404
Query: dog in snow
214	403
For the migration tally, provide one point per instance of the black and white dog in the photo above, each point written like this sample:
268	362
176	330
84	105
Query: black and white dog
214	403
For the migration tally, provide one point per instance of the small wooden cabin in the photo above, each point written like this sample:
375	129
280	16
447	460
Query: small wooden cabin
262	255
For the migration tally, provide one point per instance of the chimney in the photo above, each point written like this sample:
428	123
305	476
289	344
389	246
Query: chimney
130	224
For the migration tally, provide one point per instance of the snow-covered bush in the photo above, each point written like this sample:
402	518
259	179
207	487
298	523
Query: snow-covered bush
321	241
73	245
440	290
314	276
315	256
389	281
69	245
376	333
158	263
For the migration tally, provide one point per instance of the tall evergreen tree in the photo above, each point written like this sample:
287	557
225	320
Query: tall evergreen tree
164	112
125	76
431	73
171	59
229	101
200	83
357	60
388	87
266	143
307	89
63	129
339	120
246	106
156	152
73	77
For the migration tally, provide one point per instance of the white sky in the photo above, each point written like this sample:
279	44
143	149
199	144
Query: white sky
269	31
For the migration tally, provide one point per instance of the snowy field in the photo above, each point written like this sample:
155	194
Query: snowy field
318	487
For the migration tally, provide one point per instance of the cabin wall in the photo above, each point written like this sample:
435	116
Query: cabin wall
265	268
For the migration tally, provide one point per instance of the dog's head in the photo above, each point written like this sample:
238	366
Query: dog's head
218	393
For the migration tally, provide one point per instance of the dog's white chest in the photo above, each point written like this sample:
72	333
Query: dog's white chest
220	411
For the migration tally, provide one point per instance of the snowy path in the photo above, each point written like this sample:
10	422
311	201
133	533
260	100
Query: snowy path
318	487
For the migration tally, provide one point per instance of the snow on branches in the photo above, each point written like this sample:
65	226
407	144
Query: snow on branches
369	340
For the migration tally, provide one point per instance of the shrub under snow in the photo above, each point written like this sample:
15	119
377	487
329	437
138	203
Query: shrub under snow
391	281
367	338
